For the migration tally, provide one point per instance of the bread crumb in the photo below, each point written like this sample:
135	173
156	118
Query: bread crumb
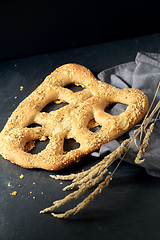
13	193
61	182
34	197
22	176
15	97
21	88
41	192
9	184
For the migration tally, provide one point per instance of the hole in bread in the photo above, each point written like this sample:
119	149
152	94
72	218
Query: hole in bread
116	108
93	126
95	129
52	106
36	146
33	125
70	144
75	88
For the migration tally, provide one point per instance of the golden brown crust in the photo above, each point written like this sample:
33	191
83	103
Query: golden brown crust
70	121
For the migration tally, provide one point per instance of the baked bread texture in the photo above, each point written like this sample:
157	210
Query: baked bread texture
70	121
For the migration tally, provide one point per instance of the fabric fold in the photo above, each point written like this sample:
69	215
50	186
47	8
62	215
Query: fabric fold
143	74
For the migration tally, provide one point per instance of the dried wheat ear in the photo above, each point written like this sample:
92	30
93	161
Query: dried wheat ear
95	175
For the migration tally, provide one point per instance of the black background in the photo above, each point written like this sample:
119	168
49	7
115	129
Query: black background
36	27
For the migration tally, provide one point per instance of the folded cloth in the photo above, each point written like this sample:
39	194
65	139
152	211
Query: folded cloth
143	74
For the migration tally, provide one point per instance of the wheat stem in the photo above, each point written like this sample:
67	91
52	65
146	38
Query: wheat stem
95	174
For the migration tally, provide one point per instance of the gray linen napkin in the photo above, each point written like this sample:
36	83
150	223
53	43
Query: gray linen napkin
143	74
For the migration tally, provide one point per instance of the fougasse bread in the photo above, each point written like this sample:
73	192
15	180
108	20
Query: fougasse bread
70	121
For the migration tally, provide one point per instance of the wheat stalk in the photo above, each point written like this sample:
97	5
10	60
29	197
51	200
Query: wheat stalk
95	175
86	180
